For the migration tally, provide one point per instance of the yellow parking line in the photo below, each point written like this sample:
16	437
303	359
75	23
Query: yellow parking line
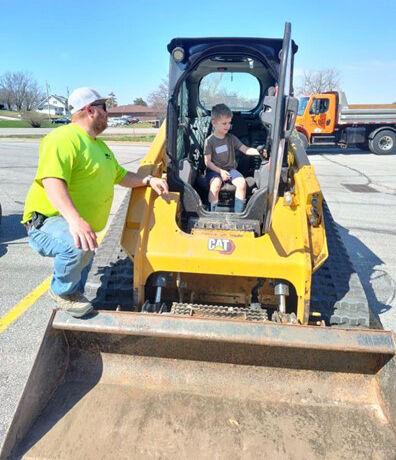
20	308
23	305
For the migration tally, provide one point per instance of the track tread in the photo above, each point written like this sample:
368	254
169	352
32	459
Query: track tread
337	292
110	281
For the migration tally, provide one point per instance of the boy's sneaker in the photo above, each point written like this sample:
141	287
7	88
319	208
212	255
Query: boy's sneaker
76	304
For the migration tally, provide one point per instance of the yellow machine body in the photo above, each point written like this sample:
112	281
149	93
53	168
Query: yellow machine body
218	266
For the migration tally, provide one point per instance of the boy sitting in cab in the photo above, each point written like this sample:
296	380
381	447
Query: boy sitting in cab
219	151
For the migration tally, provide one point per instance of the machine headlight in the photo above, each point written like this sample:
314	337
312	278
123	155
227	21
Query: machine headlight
178	54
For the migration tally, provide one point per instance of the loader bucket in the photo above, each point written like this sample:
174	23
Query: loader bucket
132	385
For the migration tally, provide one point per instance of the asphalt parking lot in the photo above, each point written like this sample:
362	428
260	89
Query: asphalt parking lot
359	187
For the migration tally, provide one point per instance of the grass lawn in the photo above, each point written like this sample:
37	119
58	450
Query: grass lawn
21	124
140	125
14	124
9	113
127	138
117	138
21	136
46	124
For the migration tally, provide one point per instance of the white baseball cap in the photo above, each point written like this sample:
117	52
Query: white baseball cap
81	97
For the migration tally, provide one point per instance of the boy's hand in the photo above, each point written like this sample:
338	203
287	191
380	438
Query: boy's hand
262	151
225	175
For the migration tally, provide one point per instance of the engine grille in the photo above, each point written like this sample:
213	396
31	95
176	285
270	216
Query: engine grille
219	311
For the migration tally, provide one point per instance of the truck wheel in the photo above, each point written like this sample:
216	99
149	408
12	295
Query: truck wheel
303	139
383	143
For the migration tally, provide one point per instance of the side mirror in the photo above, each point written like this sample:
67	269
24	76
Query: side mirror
267	115
291	114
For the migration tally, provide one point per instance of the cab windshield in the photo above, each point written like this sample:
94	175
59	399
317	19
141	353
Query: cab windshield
240	91
302	104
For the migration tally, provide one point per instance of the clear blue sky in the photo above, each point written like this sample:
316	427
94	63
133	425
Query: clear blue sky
120	45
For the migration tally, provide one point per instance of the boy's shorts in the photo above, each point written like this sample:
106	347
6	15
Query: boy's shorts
210	175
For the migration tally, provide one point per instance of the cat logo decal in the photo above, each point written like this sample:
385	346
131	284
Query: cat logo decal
221	245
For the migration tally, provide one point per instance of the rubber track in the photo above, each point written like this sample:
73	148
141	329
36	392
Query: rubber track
110	280
337	292
336	289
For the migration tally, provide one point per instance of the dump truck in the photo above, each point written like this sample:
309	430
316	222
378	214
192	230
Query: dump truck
328	119
217	334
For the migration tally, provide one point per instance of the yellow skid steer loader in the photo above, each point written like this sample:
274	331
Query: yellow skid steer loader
231	335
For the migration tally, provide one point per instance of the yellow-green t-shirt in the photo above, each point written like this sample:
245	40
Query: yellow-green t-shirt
89	169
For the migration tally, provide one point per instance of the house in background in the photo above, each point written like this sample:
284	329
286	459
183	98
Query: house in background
136	111
53	105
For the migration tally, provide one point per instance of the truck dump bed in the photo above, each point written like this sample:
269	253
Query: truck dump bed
365	113
132	385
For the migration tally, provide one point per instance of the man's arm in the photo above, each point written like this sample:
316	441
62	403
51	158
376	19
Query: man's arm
59	197
133	180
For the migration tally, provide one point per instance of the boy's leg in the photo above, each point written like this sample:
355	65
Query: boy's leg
240	194
214	189
53	239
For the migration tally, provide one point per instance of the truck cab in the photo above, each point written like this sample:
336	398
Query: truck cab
316	115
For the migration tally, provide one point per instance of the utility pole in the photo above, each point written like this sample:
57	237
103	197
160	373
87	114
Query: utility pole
67	102
47	87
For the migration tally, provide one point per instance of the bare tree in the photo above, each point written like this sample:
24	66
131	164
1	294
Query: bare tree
112	100
319	81
33	96
21	90
6	98
158	99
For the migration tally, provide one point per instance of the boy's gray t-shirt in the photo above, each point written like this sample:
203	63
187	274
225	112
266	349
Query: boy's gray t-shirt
222	150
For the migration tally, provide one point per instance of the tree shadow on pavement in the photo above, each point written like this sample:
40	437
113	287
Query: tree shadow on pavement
11	230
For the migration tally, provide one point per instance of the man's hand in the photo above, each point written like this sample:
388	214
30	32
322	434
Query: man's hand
84	236
225	175
58	194
159	185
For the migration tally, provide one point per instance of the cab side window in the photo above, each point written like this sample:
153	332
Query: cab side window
319	106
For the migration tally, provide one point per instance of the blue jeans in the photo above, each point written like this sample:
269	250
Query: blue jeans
71	265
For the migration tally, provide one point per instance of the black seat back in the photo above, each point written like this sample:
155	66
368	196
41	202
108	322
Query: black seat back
240	128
